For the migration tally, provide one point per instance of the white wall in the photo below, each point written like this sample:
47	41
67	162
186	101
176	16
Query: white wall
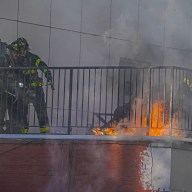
99	32
181	170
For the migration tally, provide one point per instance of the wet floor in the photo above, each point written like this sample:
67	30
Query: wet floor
83	166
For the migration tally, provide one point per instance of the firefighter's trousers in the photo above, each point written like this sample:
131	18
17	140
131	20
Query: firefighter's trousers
37	98
15	112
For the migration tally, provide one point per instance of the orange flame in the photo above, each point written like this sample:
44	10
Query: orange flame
159	124
108	131
160	120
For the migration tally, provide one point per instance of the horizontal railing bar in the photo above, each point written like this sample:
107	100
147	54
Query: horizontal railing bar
102	67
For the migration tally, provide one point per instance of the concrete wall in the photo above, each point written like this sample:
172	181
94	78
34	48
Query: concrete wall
181	169
99	32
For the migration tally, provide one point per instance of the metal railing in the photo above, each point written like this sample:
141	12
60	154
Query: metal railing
90	97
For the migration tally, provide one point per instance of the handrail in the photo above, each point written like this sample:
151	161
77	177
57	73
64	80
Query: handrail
83	92
103	67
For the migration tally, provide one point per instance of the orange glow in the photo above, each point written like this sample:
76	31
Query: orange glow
159	124
97	131
160	120
108	131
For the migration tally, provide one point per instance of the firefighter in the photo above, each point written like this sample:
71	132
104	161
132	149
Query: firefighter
185	102
8	98
34	84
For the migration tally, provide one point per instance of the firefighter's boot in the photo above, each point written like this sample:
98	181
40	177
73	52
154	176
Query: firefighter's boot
25	130
2	131
5	128
44	129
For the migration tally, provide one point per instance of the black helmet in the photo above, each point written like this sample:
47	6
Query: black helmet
23	43
14	46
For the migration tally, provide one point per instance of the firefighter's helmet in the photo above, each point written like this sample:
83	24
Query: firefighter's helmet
23	43
14	46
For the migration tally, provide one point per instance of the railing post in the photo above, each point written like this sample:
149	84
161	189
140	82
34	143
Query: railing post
171	102
70	100
149	102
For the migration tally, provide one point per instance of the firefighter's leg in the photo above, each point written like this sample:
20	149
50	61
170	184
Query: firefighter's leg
13	116
3	107
41	110
189	134
16	114
25	129
23	114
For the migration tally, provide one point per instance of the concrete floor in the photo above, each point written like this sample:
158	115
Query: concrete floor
45	163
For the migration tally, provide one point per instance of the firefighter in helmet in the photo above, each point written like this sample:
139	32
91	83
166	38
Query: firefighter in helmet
34	84
8	90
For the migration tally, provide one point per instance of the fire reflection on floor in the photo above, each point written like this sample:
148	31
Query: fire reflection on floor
84	165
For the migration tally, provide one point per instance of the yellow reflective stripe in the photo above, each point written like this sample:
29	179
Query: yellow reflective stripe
33	84
33	71
186	80
37	84
37	62
45	70
28	72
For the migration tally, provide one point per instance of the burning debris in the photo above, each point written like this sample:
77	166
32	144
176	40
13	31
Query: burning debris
108	131
159	122
121	112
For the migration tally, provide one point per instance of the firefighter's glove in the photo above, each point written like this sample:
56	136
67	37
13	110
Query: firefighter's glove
48	75
50	83
49	80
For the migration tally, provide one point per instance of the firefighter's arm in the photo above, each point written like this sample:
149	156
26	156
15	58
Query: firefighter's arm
2	64
48	75
43	67
2	61
1	74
